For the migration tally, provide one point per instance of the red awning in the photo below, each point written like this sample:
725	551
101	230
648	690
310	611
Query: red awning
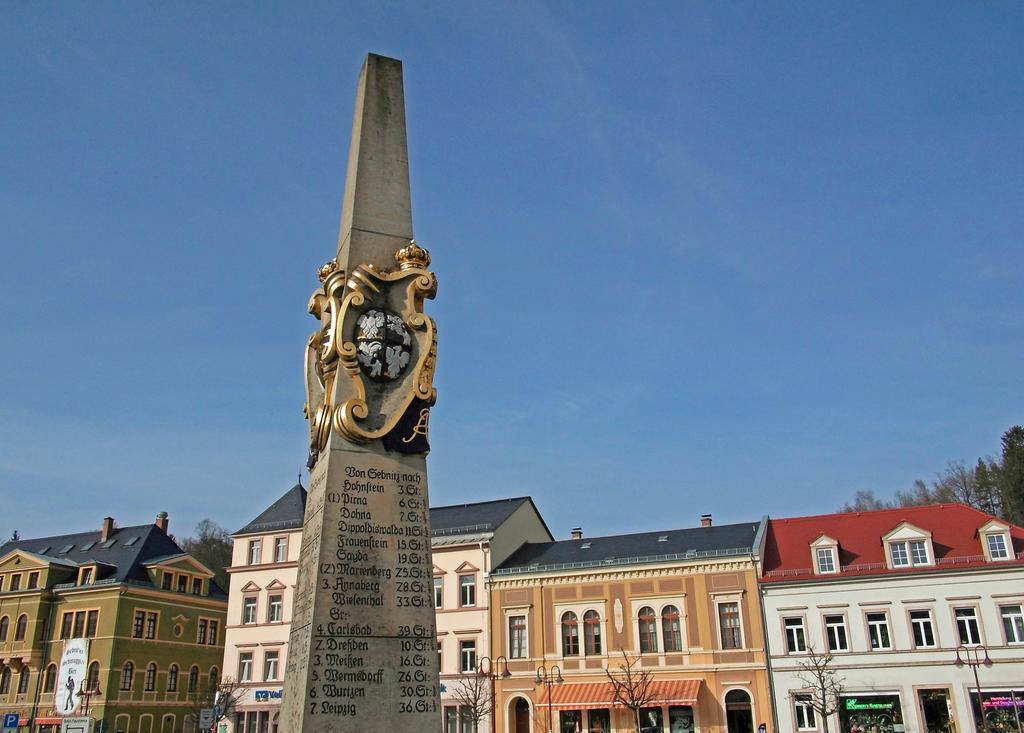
599	694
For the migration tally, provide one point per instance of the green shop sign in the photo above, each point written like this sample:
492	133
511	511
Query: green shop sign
852	703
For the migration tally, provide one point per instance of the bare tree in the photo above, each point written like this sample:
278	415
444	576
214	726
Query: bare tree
222	697
473	694
632	687
824	682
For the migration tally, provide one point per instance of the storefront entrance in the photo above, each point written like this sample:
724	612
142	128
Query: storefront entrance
1004	710
521	716
870	713
738	713
935	707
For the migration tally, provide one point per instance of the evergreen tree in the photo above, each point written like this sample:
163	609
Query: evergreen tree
986	487
1011	474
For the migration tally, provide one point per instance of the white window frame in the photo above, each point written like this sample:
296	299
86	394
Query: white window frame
271	665
463	648
841	625
281	543
657	603
822	549
1004	541
1016	622
802	703
901	559
279	604
248	620
931	625
254	552
884	623
245	666
438	591
972	629
719	602
900	545
792	645
462	590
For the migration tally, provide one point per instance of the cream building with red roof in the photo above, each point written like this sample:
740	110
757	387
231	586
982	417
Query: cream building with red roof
891	595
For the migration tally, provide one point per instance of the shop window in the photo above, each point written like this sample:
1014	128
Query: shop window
835	633
878	631
517	637
1013	623
599	721
922	628
729	625
647	630
467	590
796	639
591	632
650	720
570	721
670	631
967	626
570	635
868	712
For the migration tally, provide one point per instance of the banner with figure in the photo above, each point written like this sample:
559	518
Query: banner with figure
74	663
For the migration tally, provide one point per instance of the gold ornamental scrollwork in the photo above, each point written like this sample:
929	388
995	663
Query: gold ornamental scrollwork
345	399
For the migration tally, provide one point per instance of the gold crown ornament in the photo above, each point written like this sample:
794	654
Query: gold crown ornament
325	272
412	257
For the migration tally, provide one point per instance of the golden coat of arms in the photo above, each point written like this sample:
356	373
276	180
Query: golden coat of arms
370	367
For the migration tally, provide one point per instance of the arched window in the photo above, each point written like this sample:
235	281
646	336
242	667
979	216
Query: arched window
591	632
670	629
21	628
5	624
213	678
93	681
150	677
570	635
193	679
50	679
647	624
172	678
23	680
5	680
127	672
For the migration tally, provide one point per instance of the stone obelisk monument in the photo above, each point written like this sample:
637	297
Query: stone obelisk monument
362	654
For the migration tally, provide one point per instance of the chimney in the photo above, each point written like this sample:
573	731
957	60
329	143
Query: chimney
161	521
705	520
108	529
577	533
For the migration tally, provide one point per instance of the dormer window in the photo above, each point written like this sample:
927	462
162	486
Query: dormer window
826	560
997	547
995	541
825	555
905	554
908	546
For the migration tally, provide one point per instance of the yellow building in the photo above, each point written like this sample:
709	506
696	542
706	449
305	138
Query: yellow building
151	615
679	607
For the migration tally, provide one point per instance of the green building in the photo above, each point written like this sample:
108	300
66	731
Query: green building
151	614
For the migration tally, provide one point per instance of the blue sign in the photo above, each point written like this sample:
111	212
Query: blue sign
266	695
11	720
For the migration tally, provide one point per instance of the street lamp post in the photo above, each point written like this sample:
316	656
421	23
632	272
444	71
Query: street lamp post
972	657
549	677
494	675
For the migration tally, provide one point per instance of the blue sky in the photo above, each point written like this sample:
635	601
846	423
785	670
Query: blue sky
734	258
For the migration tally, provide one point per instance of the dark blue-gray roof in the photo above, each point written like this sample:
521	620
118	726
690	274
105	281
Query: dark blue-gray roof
483	516
126	550
632	549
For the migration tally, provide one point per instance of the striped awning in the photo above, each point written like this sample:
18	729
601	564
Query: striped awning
587	695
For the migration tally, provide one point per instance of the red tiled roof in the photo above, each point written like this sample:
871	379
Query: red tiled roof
587	695
953	528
